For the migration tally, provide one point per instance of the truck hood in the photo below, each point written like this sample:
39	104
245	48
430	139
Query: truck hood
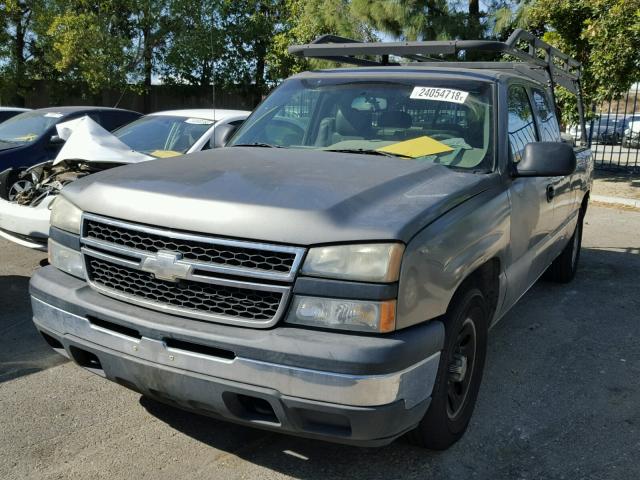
289	196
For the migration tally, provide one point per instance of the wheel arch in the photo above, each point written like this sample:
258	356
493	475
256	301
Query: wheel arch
585	202
485	277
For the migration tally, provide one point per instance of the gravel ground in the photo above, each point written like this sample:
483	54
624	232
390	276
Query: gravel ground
617	184
559	399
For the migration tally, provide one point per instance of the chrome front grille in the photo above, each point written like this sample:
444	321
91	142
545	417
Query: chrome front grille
200	250
192	275
186	295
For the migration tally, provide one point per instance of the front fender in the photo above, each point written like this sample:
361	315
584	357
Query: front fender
439	258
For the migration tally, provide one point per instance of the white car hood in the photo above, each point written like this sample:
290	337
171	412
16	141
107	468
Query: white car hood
87	140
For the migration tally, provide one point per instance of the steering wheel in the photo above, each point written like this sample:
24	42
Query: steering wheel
284	129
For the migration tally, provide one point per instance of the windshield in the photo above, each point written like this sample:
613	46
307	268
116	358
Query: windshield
447	122
27	127
163	135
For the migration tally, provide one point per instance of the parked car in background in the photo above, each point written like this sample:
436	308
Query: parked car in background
608	129
8	112
25	204
31	137
631	137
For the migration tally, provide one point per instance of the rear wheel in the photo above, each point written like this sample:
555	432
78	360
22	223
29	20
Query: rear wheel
564	268
459	374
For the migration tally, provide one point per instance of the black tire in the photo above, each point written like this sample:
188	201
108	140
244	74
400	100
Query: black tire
564	267
447	418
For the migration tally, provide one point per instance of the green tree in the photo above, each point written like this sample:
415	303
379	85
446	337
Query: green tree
307	20
151	24
423	19
194	44
17	48
247	40
90	43
602	34
108	44
507	16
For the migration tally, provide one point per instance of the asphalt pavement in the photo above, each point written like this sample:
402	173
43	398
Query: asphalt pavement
560	397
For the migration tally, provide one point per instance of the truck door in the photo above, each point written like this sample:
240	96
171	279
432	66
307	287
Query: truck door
531	207
564	201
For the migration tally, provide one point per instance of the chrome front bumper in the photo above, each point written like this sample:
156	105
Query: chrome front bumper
412	385
365	410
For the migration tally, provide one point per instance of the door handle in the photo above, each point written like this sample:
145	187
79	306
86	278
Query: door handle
551	192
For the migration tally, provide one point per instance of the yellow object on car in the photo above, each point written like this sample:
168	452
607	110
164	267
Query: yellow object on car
417	147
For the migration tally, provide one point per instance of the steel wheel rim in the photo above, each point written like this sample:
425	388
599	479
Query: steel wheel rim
460	372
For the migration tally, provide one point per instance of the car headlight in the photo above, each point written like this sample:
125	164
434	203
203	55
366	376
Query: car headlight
365	316
66	259
65	215
373	262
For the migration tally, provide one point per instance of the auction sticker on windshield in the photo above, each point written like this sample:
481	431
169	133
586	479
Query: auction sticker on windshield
439	94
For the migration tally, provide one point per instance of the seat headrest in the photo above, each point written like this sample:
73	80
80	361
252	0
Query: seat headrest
395	119
351	122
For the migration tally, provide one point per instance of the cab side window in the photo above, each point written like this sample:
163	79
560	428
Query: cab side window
547	121
521	126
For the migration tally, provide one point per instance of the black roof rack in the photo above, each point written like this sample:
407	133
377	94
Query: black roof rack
562	69
535	54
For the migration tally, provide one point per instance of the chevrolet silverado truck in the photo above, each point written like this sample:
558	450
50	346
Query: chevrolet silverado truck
333	272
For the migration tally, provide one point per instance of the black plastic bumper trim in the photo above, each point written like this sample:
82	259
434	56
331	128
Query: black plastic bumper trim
66	239
319	287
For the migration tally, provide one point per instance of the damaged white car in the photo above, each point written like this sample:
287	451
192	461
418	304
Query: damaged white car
25	205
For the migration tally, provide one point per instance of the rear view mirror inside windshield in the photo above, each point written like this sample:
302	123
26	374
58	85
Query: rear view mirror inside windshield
369	104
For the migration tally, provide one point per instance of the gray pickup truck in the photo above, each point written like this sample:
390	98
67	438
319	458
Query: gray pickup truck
334	272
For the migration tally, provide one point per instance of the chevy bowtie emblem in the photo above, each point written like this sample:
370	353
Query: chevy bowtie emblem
166	266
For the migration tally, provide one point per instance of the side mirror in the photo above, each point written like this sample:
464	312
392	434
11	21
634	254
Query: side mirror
55	140
546	159
222	134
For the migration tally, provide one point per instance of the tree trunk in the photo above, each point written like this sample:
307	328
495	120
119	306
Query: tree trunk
18	59
148	67
260	67
474	19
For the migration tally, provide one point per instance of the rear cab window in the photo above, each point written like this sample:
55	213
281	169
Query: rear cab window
521	124
546	116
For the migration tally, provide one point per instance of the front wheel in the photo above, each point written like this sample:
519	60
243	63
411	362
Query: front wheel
16	185
459	374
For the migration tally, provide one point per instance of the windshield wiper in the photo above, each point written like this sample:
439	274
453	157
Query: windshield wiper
366	151
257	144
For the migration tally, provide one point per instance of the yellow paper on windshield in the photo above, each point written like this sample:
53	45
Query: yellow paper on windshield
417	147
165	153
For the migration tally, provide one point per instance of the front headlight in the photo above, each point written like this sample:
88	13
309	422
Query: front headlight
372	262
365	316
65	215
66	259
